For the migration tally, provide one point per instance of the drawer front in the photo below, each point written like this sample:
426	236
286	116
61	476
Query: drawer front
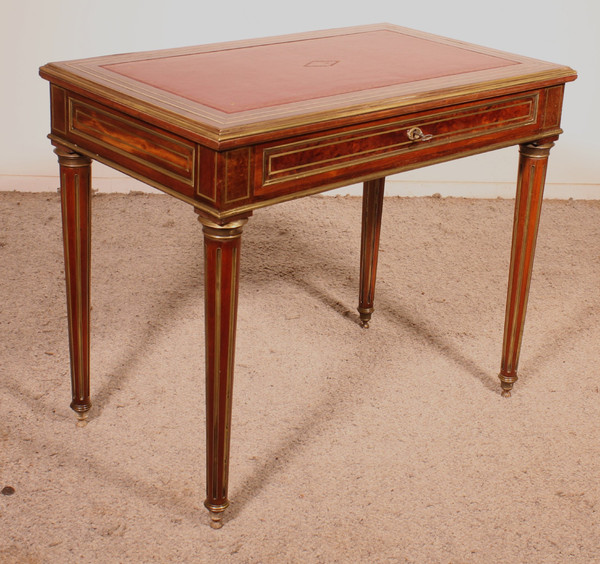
347	152
134	145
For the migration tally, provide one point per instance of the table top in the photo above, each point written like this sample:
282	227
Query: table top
227	94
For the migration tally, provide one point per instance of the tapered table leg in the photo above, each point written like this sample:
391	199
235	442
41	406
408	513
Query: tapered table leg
75	188
533	162
369	246
222	266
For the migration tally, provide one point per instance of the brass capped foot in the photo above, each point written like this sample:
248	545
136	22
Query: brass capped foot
507	383
365	316
216	520
82	418
81	409
216	514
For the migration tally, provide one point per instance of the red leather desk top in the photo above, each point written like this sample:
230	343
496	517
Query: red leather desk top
253	77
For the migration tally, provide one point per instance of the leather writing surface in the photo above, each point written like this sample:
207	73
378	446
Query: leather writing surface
252	77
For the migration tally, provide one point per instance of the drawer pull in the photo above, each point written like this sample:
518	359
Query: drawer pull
416	134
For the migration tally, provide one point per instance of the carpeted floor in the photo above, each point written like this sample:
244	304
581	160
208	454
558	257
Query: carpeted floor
390	444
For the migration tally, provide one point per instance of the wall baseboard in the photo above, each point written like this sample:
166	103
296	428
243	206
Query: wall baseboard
394	187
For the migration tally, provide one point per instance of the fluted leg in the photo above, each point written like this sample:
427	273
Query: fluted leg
533	163
222	266
369	246
75	188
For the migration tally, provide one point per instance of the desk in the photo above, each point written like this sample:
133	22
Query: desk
233	127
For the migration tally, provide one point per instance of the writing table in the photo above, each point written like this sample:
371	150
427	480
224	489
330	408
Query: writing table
232	127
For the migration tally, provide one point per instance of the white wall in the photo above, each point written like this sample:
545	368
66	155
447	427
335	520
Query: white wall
33	32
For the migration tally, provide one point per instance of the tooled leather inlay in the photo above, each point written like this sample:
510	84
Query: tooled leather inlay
248	78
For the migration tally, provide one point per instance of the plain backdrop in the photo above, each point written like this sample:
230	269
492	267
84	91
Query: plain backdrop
33	32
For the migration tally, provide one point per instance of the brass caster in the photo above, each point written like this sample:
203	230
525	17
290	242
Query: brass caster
365	316
82	419
216	514
507	383
216	520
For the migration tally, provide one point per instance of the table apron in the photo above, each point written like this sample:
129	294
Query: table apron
224	184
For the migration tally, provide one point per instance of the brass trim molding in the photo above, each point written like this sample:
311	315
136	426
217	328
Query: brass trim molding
71	159
216	231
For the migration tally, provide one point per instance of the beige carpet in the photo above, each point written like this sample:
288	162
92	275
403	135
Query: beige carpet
390	444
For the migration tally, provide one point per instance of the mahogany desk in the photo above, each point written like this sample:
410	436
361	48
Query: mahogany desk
232	127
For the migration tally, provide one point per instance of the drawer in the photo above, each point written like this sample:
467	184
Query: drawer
337	154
